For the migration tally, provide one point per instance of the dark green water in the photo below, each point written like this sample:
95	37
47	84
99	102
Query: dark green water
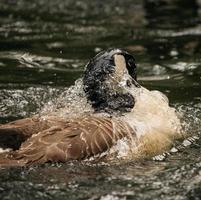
44	46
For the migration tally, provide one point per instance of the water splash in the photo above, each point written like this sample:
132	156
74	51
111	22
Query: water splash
70	104
20	103
156	124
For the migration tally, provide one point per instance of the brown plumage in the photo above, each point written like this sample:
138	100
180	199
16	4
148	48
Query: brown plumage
14	133
51	138
75	139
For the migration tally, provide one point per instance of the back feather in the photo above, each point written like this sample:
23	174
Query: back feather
73	140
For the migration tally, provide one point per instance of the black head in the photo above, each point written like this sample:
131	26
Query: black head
104	79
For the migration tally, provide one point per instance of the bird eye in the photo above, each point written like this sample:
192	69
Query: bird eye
128	83
131	62
131	67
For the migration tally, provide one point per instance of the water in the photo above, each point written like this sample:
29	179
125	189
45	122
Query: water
44	46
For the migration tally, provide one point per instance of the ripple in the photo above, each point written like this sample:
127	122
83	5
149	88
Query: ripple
48	42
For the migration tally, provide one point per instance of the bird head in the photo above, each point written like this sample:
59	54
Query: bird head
108	78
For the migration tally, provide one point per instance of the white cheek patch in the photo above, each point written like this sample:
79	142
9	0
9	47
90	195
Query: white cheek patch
120	66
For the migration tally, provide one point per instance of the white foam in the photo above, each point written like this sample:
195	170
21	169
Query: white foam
71	103
155	123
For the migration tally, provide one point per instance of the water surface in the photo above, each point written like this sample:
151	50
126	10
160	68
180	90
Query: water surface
44	46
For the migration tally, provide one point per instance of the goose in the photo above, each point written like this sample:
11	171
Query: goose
111	88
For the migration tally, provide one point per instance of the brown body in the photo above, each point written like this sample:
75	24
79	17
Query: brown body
59	140
107	80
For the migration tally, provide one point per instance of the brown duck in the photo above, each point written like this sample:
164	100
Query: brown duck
51	139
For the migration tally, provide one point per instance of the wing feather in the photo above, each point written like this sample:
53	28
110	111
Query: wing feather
76	139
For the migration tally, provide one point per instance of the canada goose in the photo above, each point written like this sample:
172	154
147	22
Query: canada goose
109	82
